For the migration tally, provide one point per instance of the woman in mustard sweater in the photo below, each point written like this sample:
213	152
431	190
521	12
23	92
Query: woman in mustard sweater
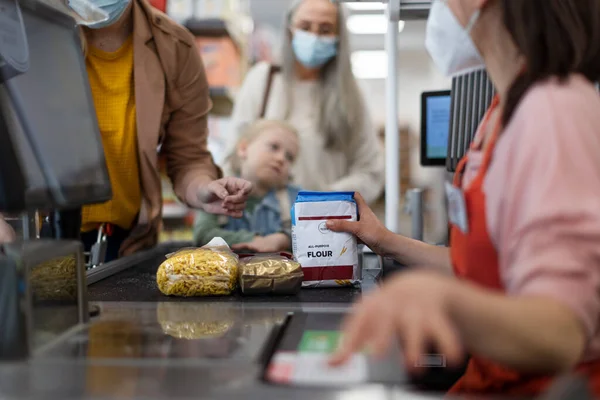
151	96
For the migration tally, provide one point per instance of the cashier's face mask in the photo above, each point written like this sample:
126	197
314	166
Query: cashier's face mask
313	51
114	9
449	43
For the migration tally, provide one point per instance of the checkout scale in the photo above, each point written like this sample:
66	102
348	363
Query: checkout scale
70	332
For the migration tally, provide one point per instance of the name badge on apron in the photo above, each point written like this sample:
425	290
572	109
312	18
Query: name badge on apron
457	207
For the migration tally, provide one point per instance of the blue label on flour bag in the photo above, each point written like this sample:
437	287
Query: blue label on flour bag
328	259
308	197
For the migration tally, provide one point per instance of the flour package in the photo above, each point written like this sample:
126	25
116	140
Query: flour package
328	259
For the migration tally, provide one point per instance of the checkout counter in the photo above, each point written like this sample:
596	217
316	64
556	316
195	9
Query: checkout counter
139	344
108	333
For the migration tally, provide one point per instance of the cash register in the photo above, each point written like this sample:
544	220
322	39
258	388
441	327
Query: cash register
51	158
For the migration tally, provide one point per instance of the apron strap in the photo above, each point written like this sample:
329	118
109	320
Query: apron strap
489	151
476	143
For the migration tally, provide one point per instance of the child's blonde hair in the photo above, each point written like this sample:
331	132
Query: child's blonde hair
249	133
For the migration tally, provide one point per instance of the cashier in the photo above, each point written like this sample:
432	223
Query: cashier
519	287
150	92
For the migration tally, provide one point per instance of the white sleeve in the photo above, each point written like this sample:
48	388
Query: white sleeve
248	102
366	165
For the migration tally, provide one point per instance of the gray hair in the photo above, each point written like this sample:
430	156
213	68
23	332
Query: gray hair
342	106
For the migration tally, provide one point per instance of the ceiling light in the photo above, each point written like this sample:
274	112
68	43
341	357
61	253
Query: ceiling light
370	64
368	24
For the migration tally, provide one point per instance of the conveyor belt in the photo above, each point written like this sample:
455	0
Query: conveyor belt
138	283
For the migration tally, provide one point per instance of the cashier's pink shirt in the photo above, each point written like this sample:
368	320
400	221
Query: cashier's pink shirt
543	199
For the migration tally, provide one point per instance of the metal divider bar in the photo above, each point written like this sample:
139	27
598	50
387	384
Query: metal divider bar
472	94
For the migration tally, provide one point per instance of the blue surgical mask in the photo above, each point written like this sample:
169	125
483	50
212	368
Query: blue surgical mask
313	51
114	9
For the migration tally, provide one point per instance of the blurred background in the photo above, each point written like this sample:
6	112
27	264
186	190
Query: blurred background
232	35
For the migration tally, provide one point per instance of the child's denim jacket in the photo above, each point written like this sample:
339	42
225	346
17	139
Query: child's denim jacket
268	217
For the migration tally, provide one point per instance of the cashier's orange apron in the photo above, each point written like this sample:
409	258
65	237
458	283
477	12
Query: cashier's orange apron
474	258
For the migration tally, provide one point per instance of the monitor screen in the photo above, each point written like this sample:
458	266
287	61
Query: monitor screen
58	111
435	127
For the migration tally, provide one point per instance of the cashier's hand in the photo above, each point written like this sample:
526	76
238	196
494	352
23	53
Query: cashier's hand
265	244
226	196
368	230
412	309
7	234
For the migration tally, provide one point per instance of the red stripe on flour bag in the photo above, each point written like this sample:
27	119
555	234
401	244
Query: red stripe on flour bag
340	272
324	218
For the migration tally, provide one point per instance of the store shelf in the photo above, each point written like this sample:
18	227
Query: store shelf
218	27
222	99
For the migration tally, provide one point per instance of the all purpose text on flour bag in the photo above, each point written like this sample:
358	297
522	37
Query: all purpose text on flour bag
328	259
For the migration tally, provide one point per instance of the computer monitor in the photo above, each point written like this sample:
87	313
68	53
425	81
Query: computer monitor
51	119
435	127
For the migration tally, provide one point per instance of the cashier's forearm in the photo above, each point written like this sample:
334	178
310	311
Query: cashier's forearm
414	253
531	334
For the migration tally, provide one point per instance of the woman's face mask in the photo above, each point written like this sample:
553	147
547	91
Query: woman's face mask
114	9
313	51
449	43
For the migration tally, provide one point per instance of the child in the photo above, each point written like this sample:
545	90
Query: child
264	156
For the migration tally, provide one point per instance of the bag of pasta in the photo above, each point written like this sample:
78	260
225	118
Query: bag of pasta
270	274
211	270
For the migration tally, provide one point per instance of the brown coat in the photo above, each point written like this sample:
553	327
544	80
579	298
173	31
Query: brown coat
172	102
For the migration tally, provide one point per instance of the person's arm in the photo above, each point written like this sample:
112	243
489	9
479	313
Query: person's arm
366	165
7	233
189	162
206	227
535	334
406	251
414	253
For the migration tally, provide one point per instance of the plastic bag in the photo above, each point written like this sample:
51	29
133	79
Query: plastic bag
270	274
328	259
211	270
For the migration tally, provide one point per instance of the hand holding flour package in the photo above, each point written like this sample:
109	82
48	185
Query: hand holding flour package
328	259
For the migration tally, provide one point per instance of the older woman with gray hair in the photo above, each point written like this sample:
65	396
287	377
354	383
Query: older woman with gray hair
315	91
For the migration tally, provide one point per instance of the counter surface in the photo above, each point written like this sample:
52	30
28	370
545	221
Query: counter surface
170	350
138	283
147	346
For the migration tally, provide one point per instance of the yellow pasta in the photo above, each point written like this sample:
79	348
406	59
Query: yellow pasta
55	280
195	320
343	282
198	272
